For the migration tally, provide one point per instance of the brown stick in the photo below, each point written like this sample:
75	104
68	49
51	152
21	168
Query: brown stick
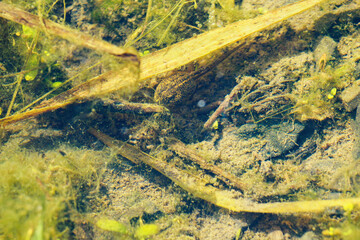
222	106
181	149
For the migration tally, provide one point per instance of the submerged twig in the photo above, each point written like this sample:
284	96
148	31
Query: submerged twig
181	149
223	106
230	200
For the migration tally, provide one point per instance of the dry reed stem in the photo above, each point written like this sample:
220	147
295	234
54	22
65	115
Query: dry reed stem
230	200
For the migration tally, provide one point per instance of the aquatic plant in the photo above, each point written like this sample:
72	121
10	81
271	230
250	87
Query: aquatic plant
142	231
40	191
314	95
37	67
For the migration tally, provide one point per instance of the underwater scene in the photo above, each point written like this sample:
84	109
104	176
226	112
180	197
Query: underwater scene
180	119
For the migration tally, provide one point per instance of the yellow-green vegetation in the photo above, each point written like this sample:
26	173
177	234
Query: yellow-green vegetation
223	12
41	192
146	230
32	61
29	61
154	23
10	57
143	231
315	96
349	229
111	225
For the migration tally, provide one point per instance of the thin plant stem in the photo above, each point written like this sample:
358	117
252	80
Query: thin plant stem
54	89
182	3
156	25
21	76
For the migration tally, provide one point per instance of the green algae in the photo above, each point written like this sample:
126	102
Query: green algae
41	191
312	95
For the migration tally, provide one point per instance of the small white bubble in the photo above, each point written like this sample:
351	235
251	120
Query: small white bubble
219	74
124	130
201	103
